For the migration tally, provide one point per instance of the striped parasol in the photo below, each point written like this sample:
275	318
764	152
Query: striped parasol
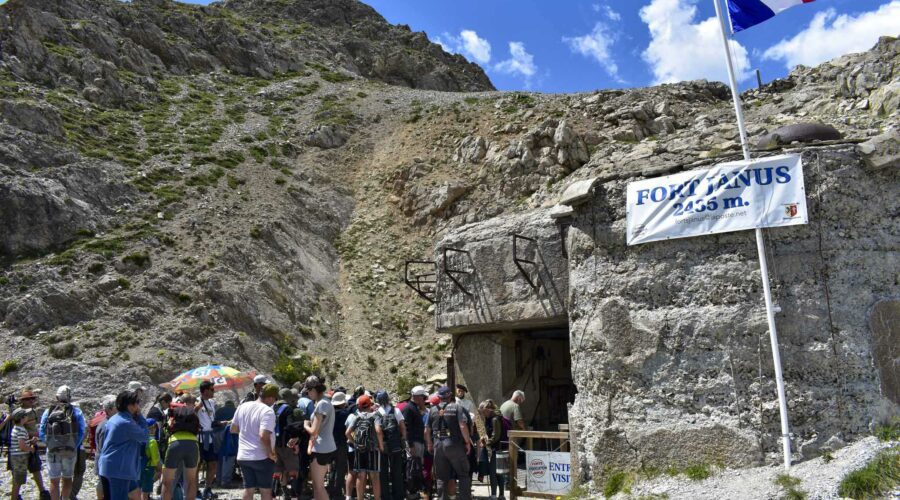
224	377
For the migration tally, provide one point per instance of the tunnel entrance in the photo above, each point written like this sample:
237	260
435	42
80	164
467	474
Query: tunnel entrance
535	361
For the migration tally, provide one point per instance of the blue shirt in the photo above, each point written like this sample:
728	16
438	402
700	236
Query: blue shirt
308	407
123	447
79	423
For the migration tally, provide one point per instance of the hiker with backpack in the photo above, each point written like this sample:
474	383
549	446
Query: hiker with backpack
62	428
391	430
288	431
320	427
448	438
414	418
183	450
366	457
125	437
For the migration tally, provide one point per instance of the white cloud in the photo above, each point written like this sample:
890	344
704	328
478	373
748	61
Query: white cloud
596	45
682	49
607	11
830	35
468	43
520	61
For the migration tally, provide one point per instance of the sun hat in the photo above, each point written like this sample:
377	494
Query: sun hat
339	399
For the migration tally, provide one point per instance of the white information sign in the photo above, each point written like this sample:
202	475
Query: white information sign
548	472
732	196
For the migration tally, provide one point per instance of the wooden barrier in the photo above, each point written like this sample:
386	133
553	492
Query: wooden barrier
515	490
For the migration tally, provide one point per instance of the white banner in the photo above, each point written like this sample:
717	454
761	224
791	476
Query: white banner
733	196
548	472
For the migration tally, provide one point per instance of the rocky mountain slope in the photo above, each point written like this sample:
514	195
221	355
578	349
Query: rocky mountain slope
241	183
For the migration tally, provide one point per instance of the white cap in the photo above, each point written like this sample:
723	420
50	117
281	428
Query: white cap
134	385
260	379
419	390
64	394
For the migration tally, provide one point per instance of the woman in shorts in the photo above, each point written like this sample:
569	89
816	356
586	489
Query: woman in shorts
183	449
321	436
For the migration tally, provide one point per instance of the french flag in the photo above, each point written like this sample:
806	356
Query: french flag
747	13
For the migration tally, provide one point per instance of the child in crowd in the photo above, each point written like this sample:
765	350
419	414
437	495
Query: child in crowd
152	464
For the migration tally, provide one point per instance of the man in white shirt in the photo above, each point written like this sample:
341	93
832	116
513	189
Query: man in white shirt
254	422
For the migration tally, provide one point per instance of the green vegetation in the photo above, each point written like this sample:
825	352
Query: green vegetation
790	485
517	101
235	182
9	366
291	369
890	431
329	75
184	298
123	283
405	383
210	178
60	50
332	111
618	481
697	472
577	492
139	259
4	280
256	232
877	479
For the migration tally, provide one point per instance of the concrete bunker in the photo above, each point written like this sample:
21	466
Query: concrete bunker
668	341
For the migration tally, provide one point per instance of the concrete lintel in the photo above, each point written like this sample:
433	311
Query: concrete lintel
578	192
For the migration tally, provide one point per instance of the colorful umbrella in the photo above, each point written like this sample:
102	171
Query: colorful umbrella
224	377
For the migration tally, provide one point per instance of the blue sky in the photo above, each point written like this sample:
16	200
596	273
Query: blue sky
575	46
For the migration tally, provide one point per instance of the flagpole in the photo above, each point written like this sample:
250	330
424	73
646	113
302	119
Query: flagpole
760	249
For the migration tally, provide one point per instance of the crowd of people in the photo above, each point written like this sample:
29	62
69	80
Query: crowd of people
303	441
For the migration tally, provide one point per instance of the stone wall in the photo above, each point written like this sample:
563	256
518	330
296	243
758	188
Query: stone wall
501	298
669	340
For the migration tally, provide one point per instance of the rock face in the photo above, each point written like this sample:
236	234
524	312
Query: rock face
88	42
676	346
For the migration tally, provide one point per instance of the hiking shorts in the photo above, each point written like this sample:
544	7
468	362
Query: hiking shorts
324	458
147	479
61	465
19	466
288	461
367	461
257	473
182	452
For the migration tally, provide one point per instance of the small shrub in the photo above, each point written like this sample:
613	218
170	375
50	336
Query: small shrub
9	366
889	432
616	482
280	181
827	456
393	369
64	350
184	298
4	280
789	484
697	472
875	480
123	283
255	232
96	268
289	370
139	259
405	383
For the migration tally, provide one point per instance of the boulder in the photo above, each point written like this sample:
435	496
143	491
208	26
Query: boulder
34	117
798	132
882	151
326	137
472	149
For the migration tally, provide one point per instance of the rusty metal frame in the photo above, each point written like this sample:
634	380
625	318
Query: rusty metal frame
519	261
451	273
417	280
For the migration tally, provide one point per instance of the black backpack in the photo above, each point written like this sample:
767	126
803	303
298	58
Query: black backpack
364	431
183	419
391	429
61	431
288	423
415	478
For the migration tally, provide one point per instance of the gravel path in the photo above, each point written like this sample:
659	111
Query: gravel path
819	480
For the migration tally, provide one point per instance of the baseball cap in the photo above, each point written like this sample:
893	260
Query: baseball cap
339	399
382	397
260	379
269	391
419	390
461	386
151	422
434	400
364	401
19	414
444	392
134	385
